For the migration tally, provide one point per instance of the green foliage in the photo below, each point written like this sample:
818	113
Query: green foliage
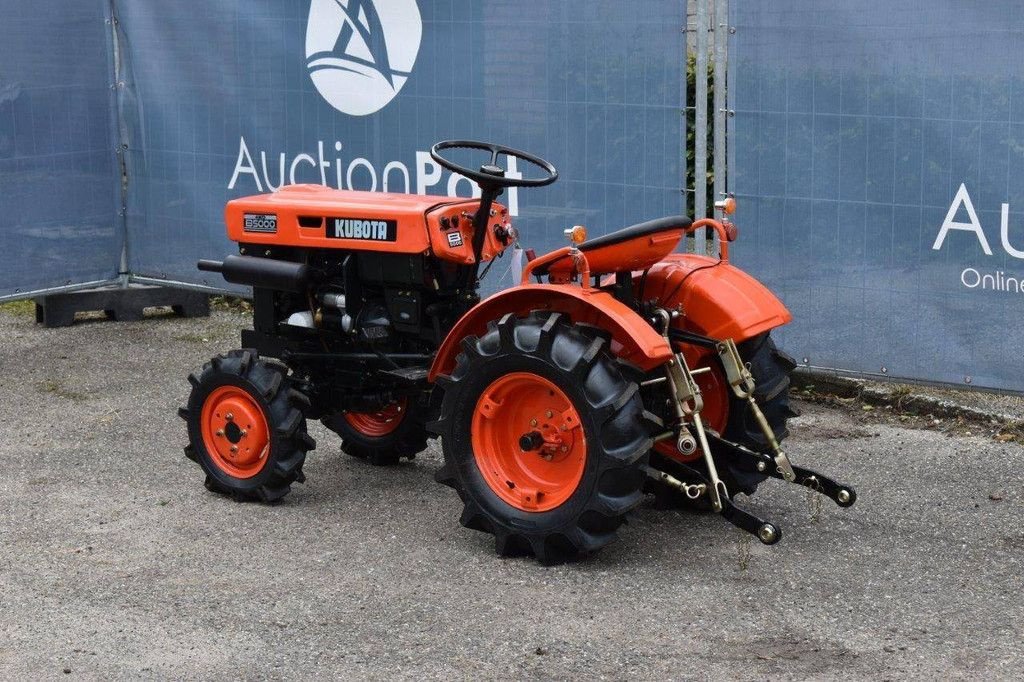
691	133
24	308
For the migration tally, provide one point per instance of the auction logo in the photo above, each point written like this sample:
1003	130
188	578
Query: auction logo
360	53
970	277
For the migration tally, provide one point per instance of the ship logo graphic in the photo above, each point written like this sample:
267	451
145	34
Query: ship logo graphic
360	52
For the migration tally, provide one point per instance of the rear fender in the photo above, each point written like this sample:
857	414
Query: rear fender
715	298
633	339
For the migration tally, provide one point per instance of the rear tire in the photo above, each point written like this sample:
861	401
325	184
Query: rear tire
246	427
573	504
385	437
771	369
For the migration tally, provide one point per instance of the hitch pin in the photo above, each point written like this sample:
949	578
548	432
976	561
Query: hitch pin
659	380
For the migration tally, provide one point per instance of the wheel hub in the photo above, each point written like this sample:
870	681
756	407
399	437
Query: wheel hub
715	392
528	441
235	431
380	423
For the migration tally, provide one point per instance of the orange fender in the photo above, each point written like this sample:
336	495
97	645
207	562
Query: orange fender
720	301
633	339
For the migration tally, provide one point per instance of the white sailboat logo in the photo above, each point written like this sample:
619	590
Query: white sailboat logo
360	53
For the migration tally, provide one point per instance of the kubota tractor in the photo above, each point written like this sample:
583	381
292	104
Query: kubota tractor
616	367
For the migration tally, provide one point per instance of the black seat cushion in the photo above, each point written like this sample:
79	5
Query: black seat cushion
676	222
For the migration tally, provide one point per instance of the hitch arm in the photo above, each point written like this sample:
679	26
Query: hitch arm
765	531
843	495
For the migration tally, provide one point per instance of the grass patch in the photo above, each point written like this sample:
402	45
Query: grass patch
231	304
1012	432
26	308
191	337
57	388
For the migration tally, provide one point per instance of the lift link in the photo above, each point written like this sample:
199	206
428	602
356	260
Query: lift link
687	404
742	383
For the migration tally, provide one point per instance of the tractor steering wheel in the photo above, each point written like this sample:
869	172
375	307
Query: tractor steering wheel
491	175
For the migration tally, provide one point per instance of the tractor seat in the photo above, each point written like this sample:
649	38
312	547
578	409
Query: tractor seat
676	222
637	247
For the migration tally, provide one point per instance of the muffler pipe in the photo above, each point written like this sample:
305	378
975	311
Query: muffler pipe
265	273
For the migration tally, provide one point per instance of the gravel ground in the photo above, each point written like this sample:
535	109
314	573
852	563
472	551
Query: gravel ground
117	563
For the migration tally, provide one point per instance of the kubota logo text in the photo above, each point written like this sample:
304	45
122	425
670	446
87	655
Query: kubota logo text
360	52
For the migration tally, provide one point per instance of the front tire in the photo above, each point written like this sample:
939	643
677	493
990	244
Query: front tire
543	437
246	427
383	437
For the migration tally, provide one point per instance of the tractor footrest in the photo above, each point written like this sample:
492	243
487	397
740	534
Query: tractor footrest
411	375
124	304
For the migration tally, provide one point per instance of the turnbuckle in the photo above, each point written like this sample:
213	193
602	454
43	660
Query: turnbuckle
742	383
691	490
765	531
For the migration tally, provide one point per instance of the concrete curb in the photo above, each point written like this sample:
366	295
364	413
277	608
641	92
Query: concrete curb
905	397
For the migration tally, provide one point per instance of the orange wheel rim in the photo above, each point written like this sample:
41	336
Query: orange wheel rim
528	442
235	432
715	391
380	423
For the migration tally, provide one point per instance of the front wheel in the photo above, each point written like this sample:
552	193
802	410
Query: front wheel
543	437
246	427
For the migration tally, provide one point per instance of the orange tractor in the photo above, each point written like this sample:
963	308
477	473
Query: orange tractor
617	367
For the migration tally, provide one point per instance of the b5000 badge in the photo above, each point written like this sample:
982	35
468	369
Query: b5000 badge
259	222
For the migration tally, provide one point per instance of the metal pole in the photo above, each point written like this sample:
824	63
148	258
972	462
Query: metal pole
121	130
700	147
720	166
685	113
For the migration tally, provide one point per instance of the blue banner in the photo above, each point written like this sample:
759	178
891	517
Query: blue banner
60	193
879	163
242	97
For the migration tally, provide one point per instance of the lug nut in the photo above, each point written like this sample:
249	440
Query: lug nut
761	466
234	448
230	417
549	414
533	422
220	432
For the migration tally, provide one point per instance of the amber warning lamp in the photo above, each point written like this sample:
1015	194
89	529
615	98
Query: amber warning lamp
726	206
576	234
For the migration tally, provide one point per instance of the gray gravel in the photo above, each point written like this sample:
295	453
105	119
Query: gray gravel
116	562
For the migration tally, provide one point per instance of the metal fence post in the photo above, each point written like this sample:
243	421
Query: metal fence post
720	166
700	143
685	113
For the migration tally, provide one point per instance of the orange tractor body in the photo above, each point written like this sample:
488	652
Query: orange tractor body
616	368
